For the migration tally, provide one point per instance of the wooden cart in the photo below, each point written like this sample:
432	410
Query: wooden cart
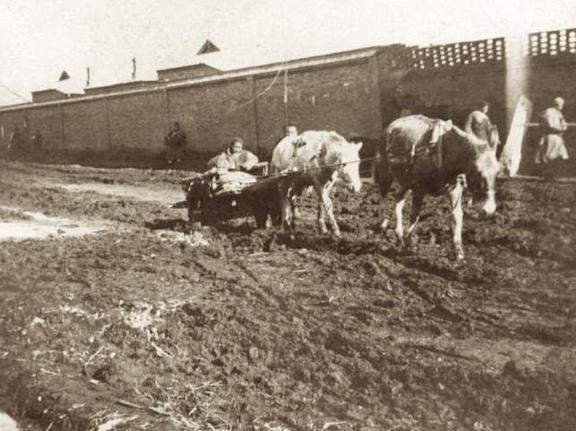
207	206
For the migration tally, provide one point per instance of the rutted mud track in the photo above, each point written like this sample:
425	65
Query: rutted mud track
253	331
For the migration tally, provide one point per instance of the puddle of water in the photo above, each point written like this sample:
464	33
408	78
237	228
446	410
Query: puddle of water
126	191
39	226
7	423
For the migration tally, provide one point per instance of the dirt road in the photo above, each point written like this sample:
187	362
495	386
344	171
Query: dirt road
144	325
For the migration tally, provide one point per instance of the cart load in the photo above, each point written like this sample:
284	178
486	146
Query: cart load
217	196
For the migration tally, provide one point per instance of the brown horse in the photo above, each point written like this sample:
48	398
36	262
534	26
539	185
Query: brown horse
430	156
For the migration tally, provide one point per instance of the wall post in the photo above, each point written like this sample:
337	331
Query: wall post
252	84
108	130
62	130
167	103
375	96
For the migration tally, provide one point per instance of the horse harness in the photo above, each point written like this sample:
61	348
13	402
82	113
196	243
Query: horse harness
430	149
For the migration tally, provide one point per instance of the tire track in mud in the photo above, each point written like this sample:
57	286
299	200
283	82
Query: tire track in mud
217	270
411	269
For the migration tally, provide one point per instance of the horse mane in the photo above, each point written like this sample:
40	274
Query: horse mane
326	136
325	140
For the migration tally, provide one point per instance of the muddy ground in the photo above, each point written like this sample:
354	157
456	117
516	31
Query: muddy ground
147	325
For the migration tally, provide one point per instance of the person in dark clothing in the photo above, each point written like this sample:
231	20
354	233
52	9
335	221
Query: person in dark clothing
37	140
175	142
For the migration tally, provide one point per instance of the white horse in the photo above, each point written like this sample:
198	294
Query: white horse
319	159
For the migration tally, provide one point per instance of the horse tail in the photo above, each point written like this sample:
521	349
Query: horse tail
381	168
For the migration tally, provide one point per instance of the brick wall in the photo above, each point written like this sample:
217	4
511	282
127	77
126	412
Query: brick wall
85	126
47	122
9	120
212	114
138	122
328	98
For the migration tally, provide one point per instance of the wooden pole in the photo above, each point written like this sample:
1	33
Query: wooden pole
167	103
108	130
252	83
285	100
373	71
62	130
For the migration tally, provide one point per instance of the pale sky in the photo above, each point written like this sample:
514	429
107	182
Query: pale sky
40	38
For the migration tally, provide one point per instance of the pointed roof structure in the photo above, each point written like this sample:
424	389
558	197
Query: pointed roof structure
63	76
69	84
207	48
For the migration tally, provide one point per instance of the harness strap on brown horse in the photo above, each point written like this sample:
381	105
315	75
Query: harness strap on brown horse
430	148
438	153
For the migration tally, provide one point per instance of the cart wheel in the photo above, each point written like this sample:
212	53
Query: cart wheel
194	218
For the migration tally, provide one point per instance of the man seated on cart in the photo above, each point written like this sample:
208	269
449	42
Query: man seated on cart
233	186
234	168
234	158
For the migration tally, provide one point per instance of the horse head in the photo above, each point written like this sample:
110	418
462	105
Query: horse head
349	168
483	169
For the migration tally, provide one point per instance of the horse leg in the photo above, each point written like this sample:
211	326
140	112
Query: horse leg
294	208
384	179
319	189
417	200
400	198
455	196
325	207
327	202
284	191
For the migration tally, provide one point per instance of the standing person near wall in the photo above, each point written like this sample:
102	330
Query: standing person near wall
291	130
551	148
292	135
175	141
478	123
37	140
